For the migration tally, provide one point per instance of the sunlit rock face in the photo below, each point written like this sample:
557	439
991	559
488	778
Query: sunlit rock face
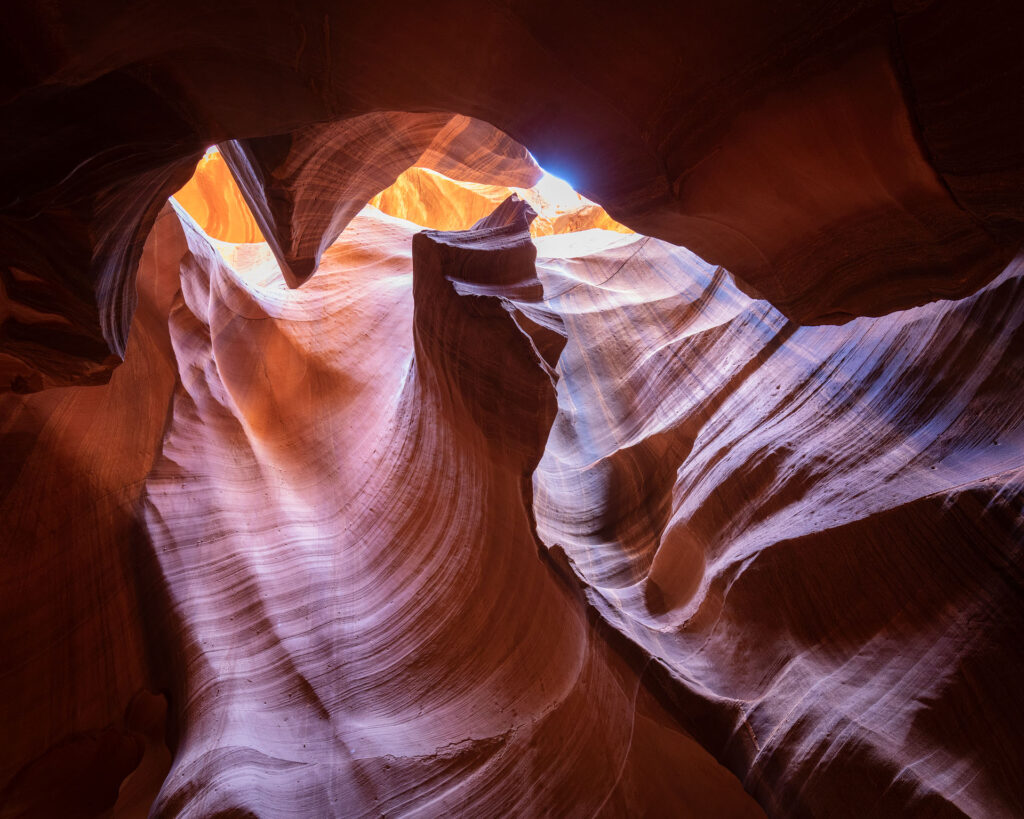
212	198
840	162
419	195
816	531
486	517
433	200
342	515
303	188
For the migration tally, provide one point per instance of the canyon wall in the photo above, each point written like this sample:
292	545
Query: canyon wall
454	520
818	531
840	161
722	517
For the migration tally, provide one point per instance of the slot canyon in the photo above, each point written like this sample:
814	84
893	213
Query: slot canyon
512	409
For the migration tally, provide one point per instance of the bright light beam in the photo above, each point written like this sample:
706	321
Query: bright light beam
558	193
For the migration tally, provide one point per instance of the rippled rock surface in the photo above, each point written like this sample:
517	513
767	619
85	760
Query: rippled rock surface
817	531
841	161
506	514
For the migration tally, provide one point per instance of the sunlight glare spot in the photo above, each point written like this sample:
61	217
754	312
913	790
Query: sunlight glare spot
558	192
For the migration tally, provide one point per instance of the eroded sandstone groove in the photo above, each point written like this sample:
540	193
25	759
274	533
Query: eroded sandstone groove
839	161
721	517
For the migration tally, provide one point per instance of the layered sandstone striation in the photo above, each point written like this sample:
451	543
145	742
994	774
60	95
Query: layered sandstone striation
304	187
840	162
488	518
343	516
349	608
451	514
818	532
433	200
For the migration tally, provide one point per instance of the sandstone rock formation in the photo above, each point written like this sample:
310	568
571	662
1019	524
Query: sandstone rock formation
721	518
836	160
284	477
75	584
822	551
433	200
212	198
340	650
304	187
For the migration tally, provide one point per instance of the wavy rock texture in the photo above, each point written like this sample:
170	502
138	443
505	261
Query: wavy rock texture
819	532
364	623
333	571
304	187
433	200
374	629
454	529
837	160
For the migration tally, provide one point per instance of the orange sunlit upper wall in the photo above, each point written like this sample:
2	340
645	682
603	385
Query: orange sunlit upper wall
213	199
421	196
435	201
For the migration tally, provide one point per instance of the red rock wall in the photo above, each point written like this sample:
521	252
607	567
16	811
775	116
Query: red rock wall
840	161
818	531
77	585
430	199
351	612
454	528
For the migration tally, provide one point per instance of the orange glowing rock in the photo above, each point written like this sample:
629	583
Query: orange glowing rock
420	195
476	523
213	199
431	199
